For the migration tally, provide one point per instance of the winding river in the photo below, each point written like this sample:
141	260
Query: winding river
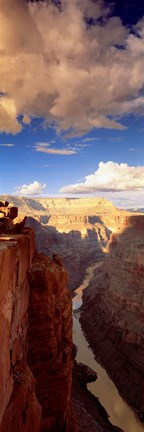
120	414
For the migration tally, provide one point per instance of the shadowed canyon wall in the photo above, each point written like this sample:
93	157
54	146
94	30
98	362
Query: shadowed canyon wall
112	312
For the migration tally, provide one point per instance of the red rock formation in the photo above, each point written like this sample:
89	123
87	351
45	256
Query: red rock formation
50	342
19	408
23	412
49	339
113	311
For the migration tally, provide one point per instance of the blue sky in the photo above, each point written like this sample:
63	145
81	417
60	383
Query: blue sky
71	101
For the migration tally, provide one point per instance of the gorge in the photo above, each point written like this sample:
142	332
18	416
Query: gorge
36	320
120	413
112	312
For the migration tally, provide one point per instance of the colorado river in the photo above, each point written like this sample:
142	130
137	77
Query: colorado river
120	414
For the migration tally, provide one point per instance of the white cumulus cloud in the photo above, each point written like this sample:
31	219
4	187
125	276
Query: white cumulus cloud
34	188
54	67
110	177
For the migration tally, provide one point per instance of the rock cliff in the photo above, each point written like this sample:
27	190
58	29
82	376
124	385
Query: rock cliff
35	338
18	402
50	342
112	313
37	354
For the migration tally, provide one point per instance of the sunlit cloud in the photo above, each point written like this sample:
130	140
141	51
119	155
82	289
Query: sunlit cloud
35	188
74	77
26	119
8	116
110	177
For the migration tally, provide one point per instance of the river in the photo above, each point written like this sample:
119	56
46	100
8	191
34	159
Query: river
120	414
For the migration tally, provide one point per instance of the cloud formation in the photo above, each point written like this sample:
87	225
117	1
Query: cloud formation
54	66
6	145
110	177
44	148
26	119
35	188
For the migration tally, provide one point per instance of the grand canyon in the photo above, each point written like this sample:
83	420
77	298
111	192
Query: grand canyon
59	370
71	216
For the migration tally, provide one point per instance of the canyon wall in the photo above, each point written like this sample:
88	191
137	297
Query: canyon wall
112	313
19	407
78	251
35	339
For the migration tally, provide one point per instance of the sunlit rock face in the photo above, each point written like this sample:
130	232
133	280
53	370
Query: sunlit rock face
113	311
19	407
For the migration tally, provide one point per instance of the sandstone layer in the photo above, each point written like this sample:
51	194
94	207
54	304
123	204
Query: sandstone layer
112	313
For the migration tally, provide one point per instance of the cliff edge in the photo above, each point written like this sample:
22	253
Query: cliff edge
36	336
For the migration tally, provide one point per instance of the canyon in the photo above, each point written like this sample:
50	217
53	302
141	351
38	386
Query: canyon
77	229
37	360
112	311
36	337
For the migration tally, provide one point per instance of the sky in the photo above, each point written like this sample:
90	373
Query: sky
72	99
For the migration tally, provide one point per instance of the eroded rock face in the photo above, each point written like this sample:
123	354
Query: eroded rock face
24	411
113	311
50	342
19	407
35	392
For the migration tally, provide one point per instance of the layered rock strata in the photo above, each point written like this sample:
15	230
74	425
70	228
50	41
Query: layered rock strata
112	313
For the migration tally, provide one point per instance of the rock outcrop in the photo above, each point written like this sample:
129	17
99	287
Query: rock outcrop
112	312
10	222
50	342
35	338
